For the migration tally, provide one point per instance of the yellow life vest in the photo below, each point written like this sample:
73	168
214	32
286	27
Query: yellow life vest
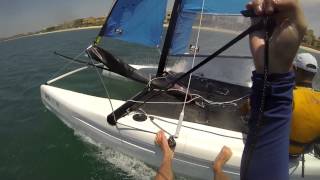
305	124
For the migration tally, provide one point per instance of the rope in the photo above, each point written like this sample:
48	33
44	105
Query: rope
187	102
232	102
150	81
181	117
211	102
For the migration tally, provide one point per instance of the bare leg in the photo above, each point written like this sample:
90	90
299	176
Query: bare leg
165	170
224	155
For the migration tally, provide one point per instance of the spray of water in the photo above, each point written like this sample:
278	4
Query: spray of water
133	168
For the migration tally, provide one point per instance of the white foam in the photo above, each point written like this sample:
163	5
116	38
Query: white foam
134	168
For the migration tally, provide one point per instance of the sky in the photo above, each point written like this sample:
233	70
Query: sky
21	16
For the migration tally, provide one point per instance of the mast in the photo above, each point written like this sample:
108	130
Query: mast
169	36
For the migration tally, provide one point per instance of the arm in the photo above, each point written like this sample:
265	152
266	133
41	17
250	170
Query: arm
288	34
265	154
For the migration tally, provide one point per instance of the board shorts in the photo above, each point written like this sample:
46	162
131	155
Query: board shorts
269	158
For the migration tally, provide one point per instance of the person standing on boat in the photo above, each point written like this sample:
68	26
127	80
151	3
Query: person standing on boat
305	125
265	155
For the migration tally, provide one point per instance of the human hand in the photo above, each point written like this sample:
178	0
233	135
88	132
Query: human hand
286	38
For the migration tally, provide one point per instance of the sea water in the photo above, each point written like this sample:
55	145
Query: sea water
35	144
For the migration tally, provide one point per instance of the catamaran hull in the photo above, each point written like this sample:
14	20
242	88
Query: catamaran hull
197	145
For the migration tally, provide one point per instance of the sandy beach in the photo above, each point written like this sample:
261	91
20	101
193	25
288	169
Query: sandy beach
70	29
62	30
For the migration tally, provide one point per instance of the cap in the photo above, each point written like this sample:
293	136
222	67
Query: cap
307	62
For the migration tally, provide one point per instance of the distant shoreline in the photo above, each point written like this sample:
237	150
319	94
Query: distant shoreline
57	31
194	27
310	49
70	29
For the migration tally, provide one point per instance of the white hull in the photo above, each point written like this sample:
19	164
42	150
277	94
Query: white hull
197	145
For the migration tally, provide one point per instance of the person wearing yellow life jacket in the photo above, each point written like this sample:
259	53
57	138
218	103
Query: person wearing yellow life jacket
305	124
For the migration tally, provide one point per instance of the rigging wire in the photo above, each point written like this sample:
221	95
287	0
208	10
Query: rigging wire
68	64
197	96
96	42
181	117
96	68
102	82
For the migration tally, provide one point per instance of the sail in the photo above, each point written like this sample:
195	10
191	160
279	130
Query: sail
190	16
182	32
136	21
219	23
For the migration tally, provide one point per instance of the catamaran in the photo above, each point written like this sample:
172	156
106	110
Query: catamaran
197	106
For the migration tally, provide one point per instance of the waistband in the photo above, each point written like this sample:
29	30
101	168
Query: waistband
275	77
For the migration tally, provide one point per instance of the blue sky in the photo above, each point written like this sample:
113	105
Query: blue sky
20	16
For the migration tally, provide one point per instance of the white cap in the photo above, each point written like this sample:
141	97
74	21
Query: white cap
307	62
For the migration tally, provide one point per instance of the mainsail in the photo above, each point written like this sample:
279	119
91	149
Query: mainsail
189	16
136	21
141	21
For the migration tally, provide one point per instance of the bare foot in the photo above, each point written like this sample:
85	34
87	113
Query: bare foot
162	141
224	155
